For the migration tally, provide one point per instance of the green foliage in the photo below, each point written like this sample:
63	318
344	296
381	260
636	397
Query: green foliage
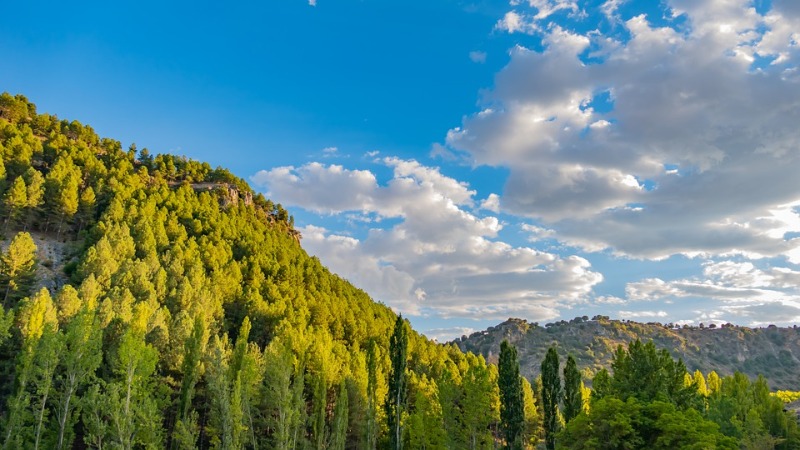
616	424
533	420
481	404
551	396
512	408
396	398
573	397
18	269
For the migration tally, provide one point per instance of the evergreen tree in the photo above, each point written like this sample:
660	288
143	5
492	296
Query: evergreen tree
18	268
551	396
512	409
573	400
396	399
14	201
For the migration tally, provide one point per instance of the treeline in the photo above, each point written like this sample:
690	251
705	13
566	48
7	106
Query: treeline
188	319
649	401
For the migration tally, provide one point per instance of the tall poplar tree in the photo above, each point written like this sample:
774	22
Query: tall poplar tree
372	386
512	409
80	359
573	398
395	403
551	396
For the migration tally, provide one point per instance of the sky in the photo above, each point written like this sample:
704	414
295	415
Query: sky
469	161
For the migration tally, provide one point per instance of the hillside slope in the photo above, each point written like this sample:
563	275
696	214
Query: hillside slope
772	352
152	301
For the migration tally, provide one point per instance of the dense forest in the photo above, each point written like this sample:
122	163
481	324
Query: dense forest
151	301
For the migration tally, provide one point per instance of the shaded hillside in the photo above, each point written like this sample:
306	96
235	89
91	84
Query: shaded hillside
772	352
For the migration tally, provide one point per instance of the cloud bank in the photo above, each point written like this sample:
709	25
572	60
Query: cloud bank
666	135
440	257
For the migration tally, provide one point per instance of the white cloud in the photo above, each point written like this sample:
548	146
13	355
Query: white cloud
440	258
546	8
491	203
448	334
744	292
312	2
642	314
698	154
513	22
477	56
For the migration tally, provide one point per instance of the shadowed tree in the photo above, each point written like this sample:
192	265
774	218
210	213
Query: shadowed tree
573	398
395	402
551	396
512	409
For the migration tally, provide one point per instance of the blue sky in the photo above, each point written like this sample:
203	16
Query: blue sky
465	162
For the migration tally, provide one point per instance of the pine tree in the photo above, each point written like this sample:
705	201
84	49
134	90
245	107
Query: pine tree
35	194
395	403
512	409
18	268
551	396
15	201
573	401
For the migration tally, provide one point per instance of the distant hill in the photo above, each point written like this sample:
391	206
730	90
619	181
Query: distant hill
773	352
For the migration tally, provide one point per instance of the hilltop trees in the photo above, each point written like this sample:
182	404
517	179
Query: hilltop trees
643	405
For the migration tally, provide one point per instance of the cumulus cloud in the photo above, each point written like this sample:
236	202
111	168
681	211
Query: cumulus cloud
491	203
513	22
642	314
448	334
662	140
439	257
744	292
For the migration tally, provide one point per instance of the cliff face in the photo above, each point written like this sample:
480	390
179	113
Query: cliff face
772	352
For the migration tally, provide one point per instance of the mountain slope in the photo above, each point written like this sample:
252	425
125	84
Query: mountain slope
772	352
178	308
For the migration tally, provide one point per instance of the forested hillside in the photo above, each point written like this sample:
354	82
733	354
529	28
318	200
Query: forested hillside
150	301
185	312
772	352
